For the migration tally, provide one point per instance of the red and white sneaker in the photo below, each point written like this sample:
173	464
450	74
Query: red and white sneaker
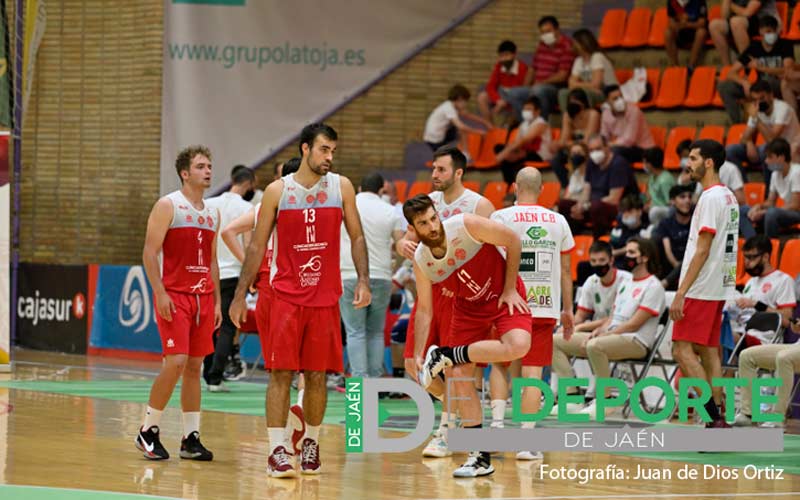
281	463
296	427
309	459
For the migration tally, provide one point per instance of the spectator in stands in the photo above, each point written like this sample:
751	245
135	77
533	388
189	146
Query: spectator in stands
740	19
768	289
446	125
508	72
578	159
632	221
785	185
609	177
578	122
770	57
531	143
673	234
790	85
687	28
591	70
769	117
659	182
552	63
625	126
631	329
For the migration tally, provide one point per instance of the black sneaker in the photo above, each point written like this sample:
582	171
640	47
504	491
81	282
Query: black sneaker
148	443
236	369
478	464
193	449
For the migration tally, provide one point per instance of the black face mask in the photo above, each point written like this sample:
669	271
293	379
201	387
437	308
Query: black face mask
577	159
630	262
756	270
249	195
508	64
573	109
601	270
763	106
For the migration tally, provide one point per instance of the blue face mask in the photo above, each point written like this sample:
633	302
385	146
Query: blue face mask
774	167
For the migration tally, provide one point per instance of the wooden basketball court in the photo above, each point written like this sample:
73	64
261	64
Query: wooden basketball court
66	427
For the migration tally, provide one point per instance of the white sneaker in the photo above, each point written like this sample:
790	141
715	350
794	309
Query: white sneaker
221	387
742	420
771	425
475	466
437	447
530	455
591	409
571	408
497	424
434	364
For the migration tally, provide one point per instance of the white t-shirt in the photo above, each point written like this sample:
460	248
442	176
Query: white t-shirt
545	237
646	294
577	181
730	175
439	121
230	206
716	212
775	289
598	299
583	70
545	138
782	114
785	186
378	221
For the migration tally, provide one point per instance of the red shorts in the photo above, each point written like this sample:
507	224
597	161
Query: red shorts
262	318
473	324
440	323
192	326
303	337
701	323
541	351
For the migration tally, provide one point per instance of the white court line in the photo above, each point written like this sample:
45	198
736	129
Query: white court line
648	495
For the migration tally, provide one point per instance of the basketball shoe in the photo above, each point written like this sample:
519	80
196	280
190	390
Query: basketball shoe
309	457
193	449
437	446
280	463
478	464
148	443
434	363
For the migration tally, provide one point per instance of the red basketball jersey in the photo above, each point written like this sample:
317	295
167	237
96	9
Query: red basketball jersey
262	278
186	251
305	259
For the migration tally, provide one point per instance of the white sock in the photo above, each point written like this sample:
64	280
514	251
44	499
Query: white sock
445	422
191	422
276	438
528	425
300	397
152	417
498	410
312	432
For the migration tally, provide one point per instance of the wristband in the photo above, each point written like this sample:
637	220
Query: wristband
752	122
761	307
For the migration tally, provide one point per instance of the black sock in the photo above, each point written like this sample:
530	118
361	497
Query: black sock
458	354
398	372
711	408
484	456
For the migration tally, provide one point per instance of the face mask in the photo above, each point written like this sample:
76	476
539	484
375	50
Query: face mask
548	38
249	195
573	109
770	38
763	106
684	162
577	160
508	64
630	263
618	105
756	270
601	270
683	3
386	198
597	156
774	167
527	115
630	221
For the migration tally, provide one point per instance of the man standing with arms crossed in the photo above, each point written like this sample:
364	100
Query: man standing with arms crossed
708	274
306	209
545	269
181	233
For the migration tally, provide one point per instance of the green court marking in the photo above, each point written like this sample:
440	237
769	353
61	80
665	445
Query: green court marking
248	399
14	492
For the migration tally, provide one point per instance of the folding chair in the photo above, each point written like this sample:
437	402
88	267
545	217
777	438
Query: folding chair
762	321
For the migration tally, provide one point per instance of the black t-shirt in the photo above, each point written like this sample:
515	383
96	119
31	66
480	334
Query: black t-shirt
618	174
677	233
694	10
783	49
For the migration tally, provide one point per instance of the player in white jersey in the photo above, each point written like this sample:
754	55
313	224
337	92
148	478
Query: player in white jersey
545	269
450	198
708	276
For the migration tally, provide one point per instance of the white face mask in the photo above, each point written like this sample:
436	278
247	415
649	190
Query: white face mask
618	105
771	38
597	156
386	198
548	38
527	115
683	3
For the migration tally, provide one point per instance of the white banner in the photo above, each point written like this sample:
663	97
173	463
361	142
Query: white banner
244	76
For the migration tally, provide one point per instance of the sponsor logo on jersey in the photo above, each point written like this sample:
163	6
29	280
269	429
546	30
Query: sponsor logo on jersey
210	222
201	220
310	198
322	197
310	272
766	287
189	218
536	232
292	199
460	254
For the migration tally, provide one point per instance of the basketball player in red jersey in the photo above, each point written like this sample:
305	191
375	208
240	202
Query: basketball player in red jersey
183	230
306	209
462	253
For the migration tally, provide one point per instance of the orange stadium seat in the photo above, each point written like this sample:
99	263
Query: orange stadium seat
672	90
701	87
581	253
495	191
653	78
550	193
677	135
474	142
783	13
637	27
754	192
612	28
419	187
473	186
486	157
623	75
723	74
735	133
776	247
658	27
659	135
715	132
794	26
643	187
402	189
790	258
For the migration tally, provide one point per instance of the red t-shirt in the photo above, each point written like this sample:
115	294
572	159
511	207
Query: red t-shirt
548	60
502	77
